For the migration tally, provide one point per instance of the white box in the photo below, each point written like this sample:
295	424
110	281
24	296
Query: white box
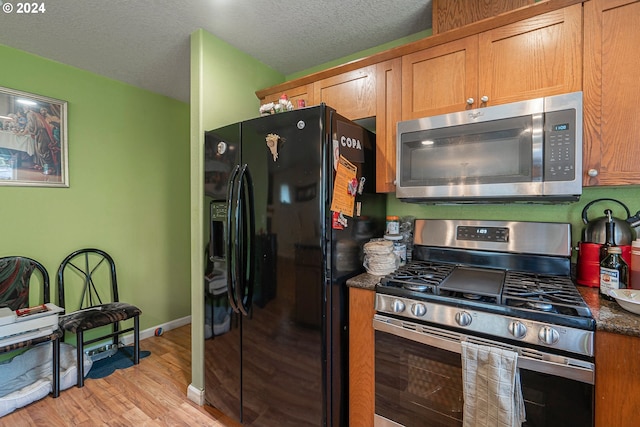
31	322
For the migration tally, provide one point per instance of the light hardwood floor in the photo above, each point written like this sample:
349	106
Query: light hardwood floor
150	394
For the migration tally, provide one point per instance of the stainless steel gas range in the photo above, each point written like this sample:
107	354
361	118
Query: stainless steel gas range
500	284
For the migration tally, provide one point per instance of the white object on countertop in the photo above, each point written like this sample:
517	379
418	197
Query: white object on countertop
629	299
379	258
491	387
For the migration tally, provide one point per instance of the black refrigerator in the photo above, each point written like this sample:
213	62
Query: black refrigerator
290	202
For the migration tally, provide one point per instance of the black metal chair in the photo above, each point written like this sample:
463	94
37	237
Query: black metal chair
15	284
92	274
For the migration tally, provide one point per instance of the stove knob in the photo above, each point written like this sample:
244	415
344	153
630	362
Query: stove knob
517	329
463	318
398	306
418	310
548	335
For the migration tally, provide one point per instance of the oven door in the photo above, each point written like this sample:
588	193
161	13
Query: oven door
418	379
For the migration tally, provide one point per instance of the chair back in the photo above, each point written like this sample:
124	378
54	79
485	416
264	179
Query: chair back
15	280
86	278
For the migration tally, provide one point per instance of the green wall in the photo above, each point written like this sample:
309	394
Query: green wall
223	85
566	213
128	193
361	54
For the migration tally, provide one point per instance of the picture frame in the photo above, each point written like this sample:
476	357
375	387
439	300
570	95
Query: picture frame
33	140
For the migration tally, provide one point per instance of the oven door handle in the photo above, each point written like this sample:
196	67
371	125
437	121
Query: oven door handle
562	366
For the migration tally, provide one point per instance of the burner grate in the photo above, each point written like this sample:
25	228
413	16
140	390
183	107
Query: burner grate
543	292
419	276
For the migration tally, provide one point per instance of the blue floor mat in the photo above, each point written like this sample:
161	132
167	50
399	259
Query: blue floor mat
122	359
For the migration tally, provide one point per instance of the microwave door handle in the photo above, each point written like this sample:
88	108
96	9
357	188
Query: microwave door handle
231	258
537	147
244	292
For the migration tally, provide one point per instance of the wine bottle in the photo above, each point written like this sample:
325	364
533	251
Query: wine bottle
609	231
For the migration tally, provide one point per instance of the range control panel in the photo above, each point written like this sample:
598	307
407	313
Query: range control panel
482	234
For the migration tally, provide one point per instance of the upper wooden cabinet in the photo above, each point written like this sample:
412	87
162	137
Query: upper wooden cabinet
439	79
451	14
388	114
304	92
352	94
535	57
611	92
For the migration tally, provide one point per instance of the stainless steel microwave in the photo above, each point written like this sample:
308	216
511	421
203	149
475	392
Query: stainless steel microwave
523	151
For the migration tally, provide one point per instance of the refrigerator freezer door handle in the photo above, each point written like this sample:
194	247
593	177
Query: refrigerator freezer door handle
246	218
231	238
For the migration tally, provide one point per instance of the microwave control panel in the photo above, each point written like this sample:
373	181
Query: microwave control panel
560	145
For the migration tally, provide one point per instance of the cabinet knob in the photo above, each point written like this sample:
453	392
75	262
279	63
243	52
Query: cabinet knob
592	172
484	99
470	101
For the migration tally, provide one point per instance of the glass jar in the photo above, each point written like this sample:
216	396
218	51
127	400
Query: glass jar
393	224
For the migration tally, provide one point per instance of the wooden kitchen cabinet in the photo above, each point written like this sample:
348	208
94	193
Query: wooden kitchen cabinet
304	92
388	114
535	57
611	92
439	79
452	14
617	388
352	94
361	357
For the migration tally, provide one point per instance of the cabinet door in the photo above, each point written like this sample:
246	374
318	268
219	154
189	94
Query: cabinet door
611	92
352	94
536	57
361	357
388	98
452	14
439	79
304	92
617	387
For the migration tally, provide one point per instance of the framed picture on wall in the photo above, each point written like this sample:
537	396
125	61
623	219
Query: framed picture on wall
33	140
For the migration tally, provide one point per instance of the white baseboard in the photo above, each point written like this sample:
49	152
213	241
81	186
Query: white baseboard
127	339
195	395
150	332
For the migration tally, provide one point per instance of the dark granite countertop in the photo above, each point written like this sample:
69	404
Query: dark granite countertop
364	281
609	316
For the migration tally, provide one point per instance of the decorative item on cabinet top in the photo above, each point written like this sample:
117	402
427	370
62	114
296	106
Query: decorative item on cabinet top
281	106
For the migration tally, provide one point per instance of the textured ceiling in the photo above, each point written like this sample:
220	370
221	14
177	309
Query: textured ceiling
146	42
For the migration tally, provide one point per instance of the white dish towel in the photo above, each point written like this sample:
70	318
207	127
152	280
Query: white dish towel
491	387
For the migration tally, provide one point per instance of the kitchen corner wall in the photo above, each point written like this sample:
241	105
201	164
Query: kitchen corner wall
566	213
223	85
129	180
